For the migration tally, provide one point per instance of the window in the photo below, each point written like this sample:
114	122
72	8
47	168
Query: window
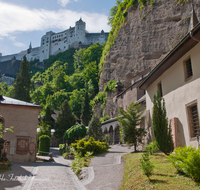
193	118
188	69
160	89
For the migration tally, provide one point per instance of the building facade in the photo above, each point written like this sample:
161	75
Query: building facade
177	77
23	117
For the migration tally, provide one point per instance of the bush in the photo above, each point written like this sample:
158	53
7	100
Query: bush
44	144
151	147
146	165
62	148
187	161
102	119
80	162
82	146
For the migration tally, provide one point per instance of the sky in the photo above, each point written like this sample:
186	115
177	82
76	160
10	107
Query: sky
25	21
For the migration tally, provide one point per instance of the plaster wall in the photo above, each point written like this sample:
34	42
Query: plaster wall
24	120
178	93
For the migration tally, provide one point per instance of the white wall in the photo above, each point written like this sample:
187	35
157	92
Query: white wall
177	93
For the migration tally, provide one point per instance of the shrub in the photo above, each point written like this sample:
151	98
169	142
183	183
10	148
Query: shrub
82	146
44	144
107	139
146	165
151	147
102	119
187	160
80	162
111	84
62	148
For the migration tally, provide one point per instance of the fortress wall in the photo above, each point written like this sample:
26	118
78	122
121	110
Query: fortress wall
35	54
18	56
93	38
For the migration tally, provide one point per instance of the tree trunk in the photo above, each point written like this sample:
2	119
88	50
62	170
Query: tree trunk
135	145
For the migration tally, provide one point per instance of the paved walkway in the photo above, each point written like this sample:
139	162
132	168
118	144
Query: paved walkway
106	170
41	176
105	173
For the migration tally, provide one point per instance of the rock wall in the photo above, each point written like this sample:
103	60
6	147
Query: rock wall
145	39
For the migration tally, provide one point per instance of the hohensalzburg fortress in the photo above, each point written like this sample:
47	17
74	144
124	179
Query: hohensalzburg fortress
54	43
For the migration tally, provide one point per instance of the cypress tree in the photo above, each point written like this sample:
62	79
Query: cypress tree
85	112
94	128
22	82
162	132
64	120
48	116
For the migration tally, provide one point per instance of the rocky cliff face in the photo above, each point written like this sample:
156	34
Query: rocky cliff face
145	39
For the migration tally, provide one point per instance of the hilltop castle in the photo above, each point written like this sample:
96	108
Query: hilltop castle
54	43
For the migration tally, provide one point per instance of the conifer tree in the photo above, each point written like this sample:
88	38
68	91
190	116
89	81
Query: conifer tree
22	82
85	112
64	120
94	128
162	132
130	120
48	116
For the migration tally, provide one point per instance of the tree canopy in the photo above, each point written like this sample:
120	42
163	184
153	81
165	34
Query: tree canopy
94	128
75	132
86	110
65	119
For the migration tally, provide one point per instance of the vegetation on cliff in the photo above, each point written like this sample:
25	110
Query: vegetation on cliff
116	20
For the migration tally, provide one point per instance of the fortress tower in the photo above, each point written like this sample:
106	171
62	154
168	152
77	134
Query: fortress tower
80	31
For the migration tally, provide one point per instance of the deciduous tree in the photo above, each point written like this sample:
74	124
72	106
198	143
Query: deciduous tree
75	132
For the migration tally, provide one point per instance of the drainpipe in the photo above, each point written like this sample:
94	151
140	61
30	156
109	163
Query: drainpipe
193	37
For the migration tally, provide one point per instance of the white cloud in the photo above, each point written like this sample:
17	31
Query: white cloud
18	44
21	19
63	3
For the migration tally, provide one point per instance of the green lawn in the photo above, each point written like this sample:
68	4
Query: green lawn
164	175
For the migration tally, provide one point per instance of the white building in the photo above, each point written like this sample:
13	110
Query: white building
177	77
54	43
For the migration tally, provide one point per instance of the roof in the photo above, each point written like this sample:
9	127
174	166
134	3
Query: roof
10	101
109	121
186	44
7	75
142	99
